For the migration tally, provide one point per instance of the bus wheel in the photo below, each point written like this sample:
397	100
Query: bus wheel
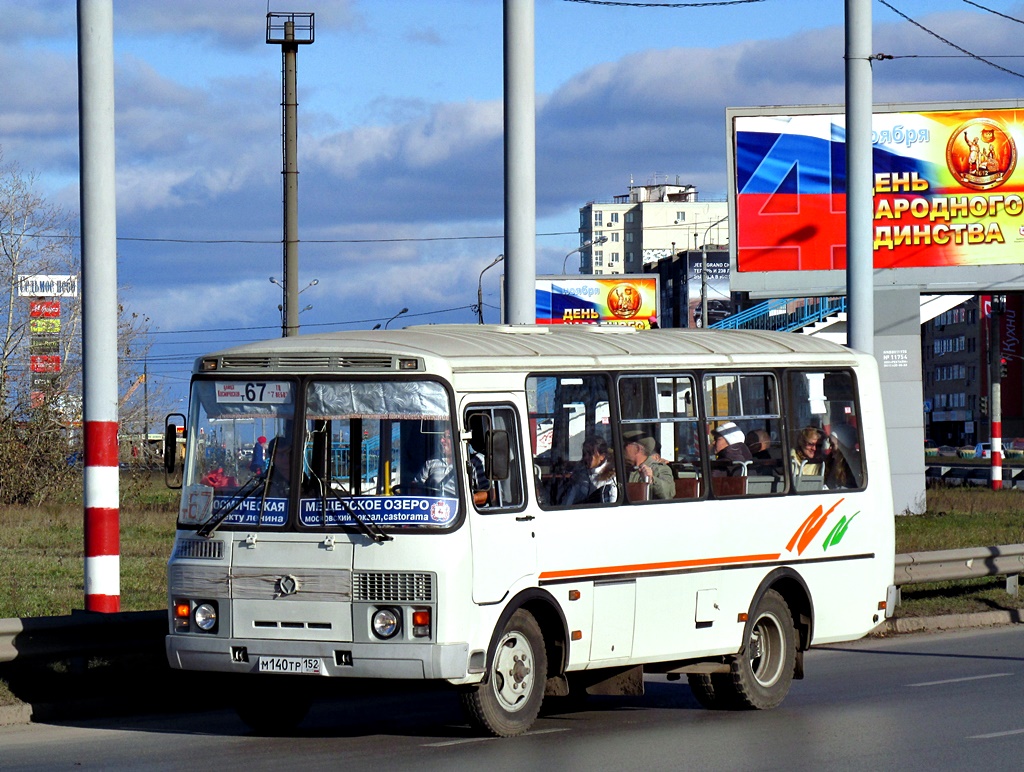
762	672
714	691
508	703
270	709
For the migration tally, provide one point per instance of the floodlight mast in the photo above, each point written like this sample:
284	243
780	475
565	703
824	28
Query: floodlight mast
290	30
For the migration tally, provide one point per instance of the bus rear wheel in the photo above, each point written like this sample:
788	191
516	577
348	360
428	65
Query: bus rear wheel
508	702
762	672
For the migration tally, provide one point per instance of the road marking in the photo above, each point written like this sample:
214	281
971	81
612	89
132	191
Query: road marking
995	734
467	740
961	680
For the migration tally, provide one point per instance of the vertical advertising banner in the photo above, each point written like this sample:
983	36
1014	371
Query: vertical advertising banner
948	189
625	299
44	346
719	296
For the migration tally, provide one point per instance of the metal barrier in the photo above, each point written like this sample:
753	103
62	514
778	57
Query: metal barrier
89	634
82	634
948	565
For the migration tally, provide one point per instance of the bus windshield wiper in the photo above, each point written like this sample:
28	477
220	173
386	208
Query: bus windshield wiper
366	525
254	483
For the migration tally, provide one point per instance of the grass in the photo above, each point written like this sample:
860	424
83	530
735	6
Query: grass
960	517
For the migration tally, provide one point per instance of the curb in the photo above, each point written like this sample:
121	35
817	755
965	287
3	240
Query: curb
948	622
15	714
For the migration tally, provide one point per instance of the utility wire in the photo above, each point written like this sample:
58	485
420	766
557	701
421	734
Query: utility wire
990	10
949	43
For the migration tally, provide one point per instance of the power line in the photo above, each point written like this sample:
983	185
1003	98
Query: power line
990	10
949	43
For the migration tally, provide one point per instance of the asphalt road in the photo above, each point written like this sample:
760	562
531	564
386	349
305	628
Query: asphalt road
930	701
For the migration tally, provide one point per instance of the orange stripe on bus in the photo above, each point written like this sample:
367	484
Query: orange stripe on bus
638	567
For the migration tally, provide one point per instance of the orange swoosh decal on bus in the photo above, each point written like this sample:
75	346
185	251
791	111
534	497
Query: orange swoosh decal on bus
809	528
638	567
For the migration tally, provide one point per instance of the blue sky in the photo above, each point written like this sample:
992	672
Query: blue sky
400	151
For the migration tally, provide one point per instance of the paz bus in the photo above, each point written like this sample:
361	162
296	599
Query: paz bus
412	518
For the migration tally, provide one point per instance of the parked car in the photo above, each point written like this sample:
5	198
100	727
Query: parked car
984	450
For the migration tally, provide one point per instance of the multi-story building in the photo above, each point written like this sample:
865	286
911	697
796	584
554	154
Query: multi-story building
954	378
649	223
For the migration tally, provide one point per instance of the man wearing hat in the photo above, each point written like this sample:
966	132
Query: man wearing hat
730	443
637	455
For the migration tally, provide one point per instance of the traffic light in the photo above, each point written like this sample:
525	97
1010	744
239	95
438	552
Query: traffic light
1002	367
984	405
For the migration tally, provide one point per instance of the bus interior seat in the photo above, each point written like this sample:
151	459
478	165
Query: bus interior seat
636	491
686	487
729	486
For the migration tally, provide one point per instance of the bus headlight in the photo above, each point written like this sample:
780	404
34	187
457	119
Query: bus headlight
205	616
386	622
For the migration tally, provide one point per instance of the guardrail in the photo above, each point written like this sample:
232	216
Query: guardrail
82	634
86	634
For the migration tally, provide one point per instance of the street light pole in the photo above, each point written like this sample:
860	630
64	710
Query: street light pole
704	274
480	289
581	247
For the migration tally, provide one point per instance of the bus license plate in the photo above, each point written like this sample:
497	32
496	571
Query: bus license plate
308	665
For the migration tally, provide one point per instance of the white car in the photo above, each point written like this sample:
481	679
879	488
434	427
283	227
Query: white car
984	450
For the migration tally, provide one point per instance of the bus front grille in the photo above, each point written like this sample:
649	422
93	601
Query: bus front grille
393	587
199	548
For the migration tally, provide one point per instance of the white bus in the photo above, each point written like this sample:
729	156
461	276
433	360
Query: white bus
424	511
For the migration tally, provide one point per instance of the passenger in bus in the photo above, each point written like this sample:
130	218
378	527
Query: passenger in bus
658	476
732	455
759	443
279	467
842	464
478	480
807	456
593	478
438	474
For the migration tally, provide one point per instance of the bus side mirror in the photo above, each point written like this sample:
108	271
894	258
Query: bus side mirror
498	455
172	430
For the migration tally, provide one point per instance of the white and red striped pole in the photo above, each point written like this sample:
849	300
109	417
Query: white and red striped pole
99	304
996	397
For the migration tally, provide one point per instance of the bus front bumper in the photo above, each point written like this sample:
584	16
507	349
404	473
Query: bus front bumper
412	661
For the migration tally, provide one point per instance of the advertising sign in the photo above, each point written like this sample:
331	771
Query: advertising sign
44	309
948	189
47	286
44	363
624	299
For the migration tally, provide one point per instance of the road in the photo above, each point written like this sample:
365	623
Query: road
930	701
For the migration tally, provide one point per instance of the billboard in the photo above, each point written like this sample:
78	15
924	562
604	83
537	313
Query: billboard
627	299
948	194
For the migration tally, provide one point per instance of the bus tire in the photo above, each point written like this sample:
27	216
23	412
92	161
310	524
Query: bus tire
762	671
714	691
507	703
269	709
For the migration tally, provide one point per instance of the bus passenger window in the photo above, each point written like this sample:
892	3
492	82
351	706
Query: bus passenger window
744	434
568	415
826	445
660	412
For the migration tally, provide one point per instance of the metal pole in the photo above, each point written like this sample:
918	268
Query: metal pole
859	193
99	304
289	49
520	164
704	273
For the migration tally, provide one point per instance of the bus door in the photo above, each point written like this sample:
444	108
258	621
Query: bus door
503	533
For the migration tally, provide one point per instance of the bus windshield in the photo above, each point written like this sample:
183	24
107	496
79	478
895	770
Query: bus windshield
377	452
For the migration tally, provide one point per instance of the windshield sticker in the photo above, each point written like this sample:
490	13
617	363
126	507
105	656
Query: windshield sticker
275	511
386	510
254	393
